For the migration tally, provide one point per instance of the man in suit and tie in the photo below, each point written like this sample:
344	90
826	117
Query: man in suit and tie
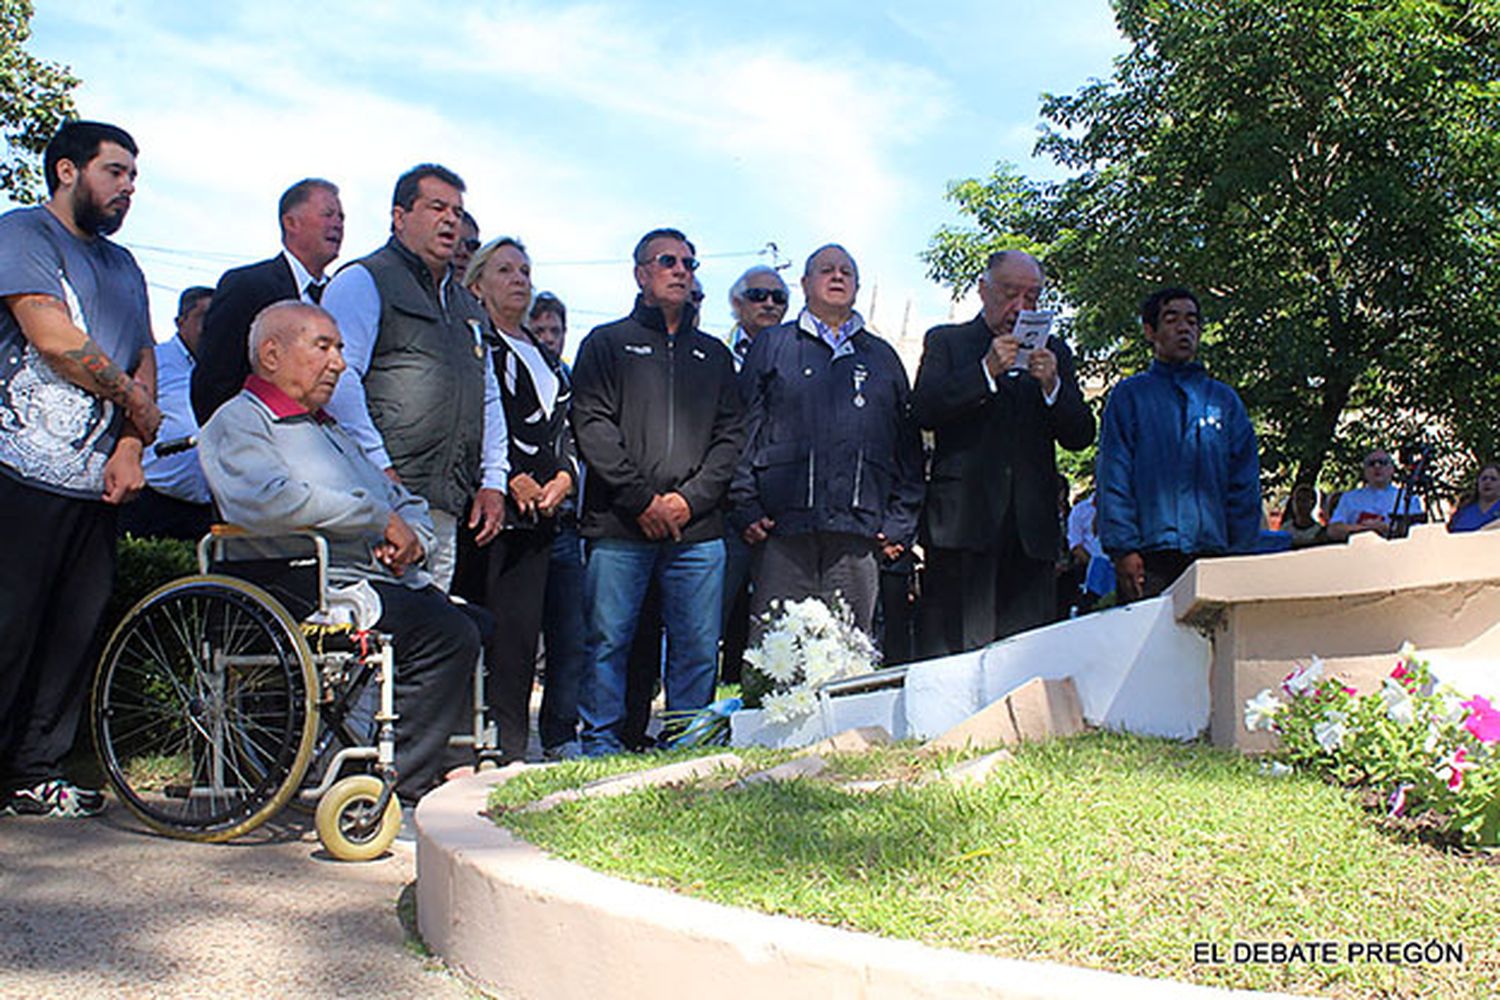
312	230
990	527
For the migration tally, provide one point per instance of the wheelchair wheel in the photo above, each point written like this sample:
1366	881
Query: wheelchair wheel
346	824
204	708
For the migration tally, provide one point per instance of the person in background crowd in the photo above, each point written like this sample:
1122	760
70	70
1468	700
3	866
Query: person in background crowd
175	502
831	481
1178	471
463	250
1485	507
1300	519
420	395
990	527
312	231
758	299
509	576
77	404
1370	507
548	322
658	421
563	622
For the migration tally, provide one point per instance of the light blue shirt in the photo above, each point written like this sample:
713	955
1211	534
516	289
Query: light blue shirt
839	338
179	476
354	302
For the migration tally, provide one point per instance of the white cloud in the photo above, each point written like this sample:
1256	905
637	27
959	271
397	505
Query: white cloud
577	127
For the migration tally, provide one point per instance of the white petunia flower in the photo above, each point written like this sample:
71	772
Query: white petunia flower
1399	706
1331	731
1260	711
1300	680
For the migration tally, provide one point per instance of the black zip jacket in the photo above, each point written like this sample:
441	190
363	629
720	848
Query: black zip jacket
654	414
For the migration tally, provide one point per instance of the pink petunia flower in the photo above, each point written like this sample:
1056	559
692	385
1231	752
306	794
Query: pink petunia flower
1452	768
1408	678
1483	720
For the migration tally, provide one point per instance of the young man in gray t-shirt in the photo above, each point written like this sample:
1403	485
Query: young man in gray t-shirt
77	406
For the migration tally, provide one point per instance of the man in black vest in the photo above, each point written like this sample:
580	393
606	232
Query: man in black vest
990	527
420	395
312	230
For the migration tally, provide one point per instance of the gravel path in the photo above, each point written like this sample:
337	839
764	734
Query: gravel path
104	908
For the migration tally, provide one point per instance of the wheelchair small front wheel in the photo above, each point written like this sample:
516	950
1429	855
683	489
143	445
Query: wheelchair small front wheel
346	823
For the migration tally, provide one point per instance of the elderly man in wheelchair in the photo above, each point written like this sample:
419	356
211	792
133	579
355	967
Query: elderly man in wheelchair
250	703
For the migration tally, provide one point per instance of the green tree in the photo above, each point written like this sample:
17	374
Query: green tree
35	98
1325	174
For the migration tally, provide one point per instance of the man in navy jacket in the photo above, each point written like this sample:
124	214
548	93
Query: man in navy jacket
831	481
1178	473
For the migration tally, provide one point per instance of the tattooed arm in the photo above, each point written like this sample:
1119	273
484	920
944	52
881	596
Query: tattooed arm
46	323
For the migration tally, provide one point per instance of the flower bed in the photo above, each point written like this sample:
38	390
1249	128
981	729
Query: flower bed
1430	752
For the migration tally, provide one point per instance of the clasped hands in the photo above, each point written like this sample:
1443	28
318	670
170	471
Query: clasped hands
665	517
539	501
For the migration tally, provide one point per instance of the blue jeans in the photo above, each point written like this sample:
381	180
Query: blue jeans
564	627
691	578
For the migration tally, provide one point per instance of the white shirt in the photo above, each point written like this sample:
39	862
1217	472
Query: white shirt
302	277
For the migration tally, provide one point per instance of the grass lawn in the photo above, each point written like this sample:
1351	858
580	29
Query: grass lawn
1106	851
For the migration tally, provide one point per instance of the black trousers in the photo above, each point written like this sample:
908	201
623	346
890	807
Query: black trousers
973	598
437	645
54	584
515	592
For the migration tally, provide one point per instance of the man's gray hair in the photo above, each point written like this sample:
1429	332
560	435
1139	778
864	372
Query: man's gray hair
737	290
807	268
999	257
277	320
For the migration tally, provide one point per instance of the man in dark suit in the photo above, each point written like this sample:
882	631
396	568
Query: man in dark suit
990	527
312	230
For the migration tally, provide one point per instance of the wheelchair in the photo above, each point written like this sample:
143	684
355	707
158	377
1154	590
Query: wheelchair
215	705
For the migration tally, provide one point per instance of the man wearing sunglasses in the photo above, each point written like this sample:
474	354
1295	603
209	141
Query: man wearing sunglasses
1369	508
758	300
657	417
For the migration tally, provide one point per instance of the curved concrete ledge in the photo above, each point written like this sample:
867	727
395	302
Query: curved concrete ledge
536	927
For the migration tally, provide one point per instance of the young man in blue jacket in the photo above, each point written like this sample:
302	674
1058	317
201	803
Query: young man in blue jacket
1178	472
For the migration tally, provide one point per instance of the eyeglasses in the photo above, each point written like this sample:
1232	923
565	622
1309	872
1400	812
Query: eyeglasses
758	295
471	244
1377	461
667	261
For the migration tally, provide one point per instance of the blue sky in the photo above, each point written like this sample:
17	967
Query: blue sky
578	126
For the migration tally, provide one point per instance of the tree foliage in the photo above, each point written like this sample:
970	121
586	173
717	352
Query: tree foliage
35	98
1325	174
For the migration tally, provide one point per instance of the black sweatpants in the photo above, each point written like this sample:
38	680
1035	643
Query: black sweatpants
55	581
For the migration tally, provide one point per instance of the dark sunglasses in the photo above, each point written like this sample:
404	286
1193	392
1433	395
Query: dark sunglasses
667	261
759	295
470	244
1377	461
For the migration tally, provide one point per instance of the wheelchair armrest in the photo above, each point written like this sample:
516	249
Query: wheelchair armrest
211	550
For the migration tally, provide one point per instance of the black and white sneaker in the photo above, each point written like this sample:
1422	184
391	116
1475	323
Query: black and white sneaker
57	797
